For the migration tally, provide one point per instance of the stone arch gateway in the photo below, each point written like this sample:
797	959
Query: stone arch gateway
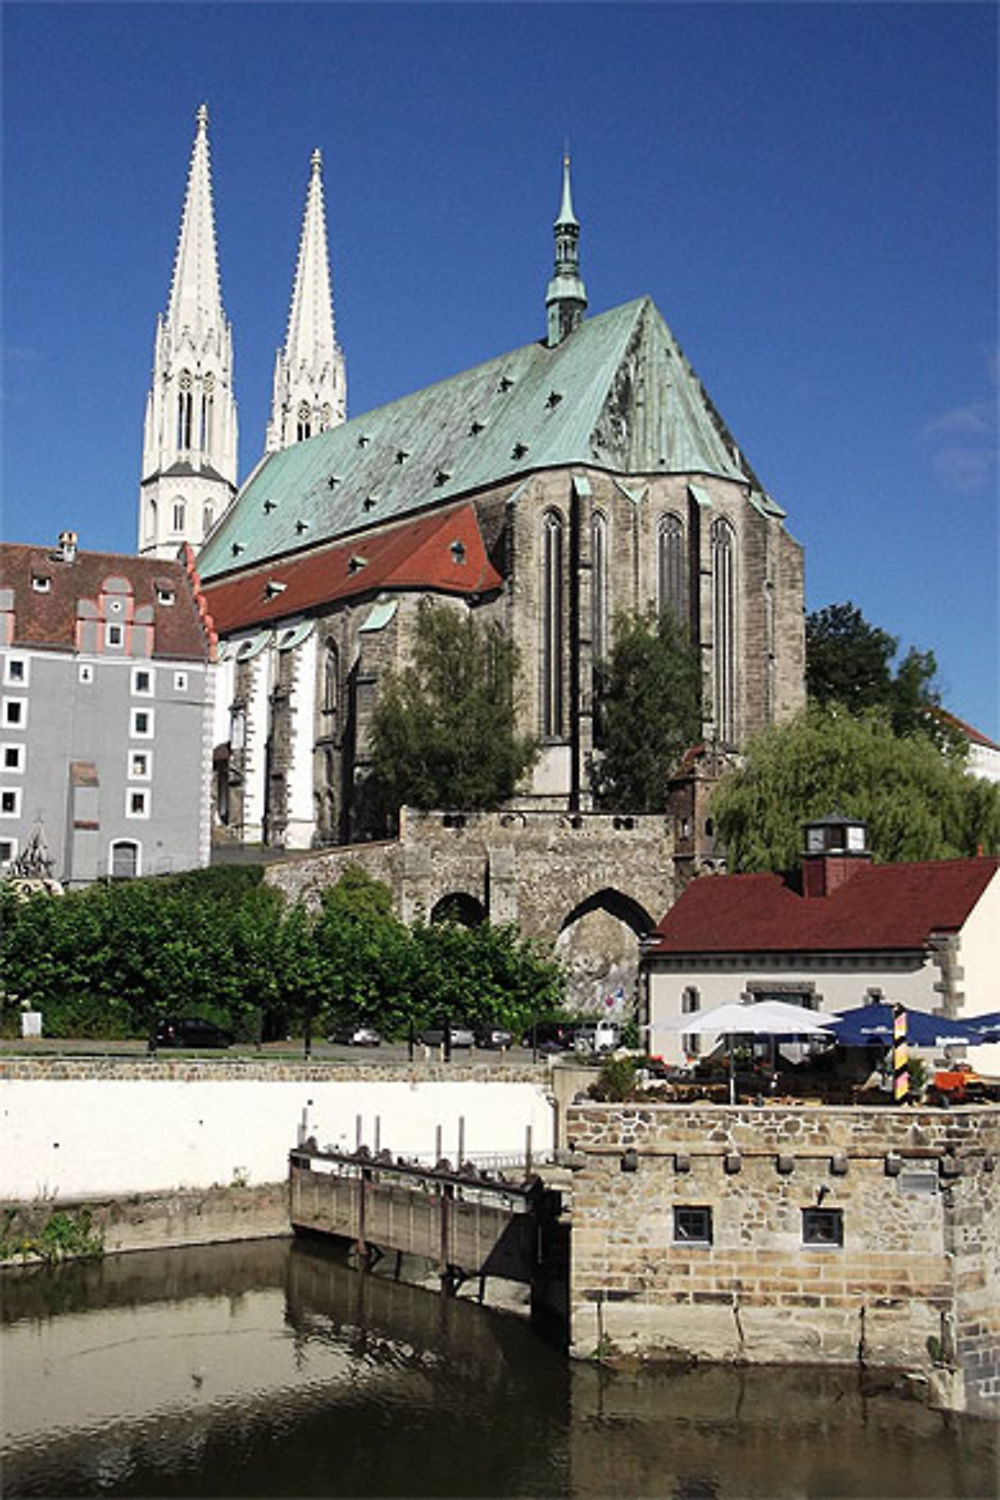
588	883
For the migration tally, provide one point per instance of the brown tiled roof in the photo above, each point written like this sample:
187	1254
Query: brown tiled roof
443	550
880	907
182	631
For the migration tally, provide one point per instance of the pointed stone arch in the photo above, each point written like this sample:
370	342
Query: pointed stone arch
618	904
598	942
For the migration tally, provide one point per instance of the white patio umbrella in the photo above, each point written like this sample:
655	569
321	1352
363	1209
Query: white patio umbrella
767	1018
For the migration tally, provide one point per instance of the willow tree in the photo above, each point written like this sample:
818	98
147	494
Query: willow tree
918	800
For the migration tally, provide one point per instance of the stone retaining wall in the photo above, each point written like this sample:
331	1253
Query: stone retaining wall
158	1221
915	1283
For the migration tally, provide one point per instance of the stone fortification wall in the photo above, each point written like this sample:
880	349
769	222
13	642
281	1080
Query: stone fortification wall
914	1283
590	882
75	1129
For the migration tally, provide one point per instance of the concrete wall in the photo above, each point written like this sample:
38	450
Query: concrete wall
82	1129
919	1192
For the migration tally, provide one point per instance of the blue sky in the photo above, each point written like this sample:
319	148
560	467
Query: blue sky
809	193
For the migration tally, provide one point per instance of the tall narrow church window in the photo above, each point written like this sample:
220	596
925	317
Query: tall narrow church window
331	678
178	515
304	425
184	411
724	622
552	625
207	520
599	586
671	571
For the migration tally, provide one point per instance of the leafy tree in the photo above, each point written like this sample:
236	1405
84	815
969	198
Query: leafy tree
444	732
649	711
849	661
918	801
482	975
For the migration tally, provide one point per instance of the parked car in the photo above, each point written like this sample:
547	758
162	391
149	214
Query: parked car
461	1036
495	1038
192	1031
356	1035
551	1036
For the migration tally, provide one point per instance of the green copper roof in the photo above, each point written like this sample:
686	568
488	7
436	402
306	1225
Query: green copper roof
616	394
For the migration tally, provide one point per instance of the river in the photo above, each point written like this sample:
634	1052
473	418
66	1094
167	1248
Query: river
272	1369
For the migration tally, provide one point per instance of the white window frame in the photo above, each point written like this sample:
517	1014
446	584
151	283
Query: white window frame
7	859
180	682
144	810
17	768
41	584
114	633
20	721
86	673
144	692
9	662
147	774
165	597
11	791
135	732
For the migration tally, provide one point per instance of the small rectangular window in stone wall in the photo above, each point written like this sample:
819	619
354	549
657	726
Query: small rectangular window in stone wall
692	1226
823	1226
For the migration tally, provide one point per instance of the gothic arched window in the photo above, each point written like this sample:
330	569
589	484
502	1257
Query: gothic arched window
552	625
671	579
207	519
304	425
178	517
184	410
724	630
599	585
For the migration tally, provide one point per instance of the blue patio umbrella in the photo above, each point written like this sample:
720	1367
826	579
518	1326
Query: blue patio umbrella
873	1023
987	1026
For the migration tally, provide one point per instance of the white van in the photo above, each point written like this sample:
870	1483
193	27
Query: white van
597	1036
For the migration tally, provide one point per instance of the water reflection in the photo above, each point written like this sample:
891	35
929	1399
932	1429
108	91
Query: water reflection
272	1369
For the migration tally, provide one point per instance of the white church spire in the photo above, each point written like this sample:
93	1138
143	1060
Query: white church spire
310	379
190	432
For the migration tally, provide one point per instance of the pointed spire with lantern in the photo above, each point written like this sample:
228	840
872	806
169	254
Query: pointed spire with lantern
566	296
190	431
310	380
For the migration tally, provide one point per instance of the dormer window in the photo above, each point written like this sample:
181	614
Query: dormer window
164	596
41	584
356	563
458	552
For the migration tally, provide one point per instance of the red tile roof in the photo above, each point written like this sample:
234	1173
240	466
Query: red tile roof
974	736
182	630
443	550
879	907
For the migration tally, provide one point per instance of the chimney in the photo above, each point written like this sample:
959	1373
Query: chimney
835	849
67	546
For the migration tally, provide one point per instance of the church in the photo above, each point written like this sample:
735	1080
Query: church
584	475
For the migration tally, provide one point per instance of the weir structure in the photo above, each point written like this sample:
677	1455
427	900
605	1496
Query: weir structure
466	1223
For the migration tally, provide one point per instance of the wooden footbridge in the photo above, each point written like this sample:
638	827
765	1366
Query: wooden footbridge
468	1223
